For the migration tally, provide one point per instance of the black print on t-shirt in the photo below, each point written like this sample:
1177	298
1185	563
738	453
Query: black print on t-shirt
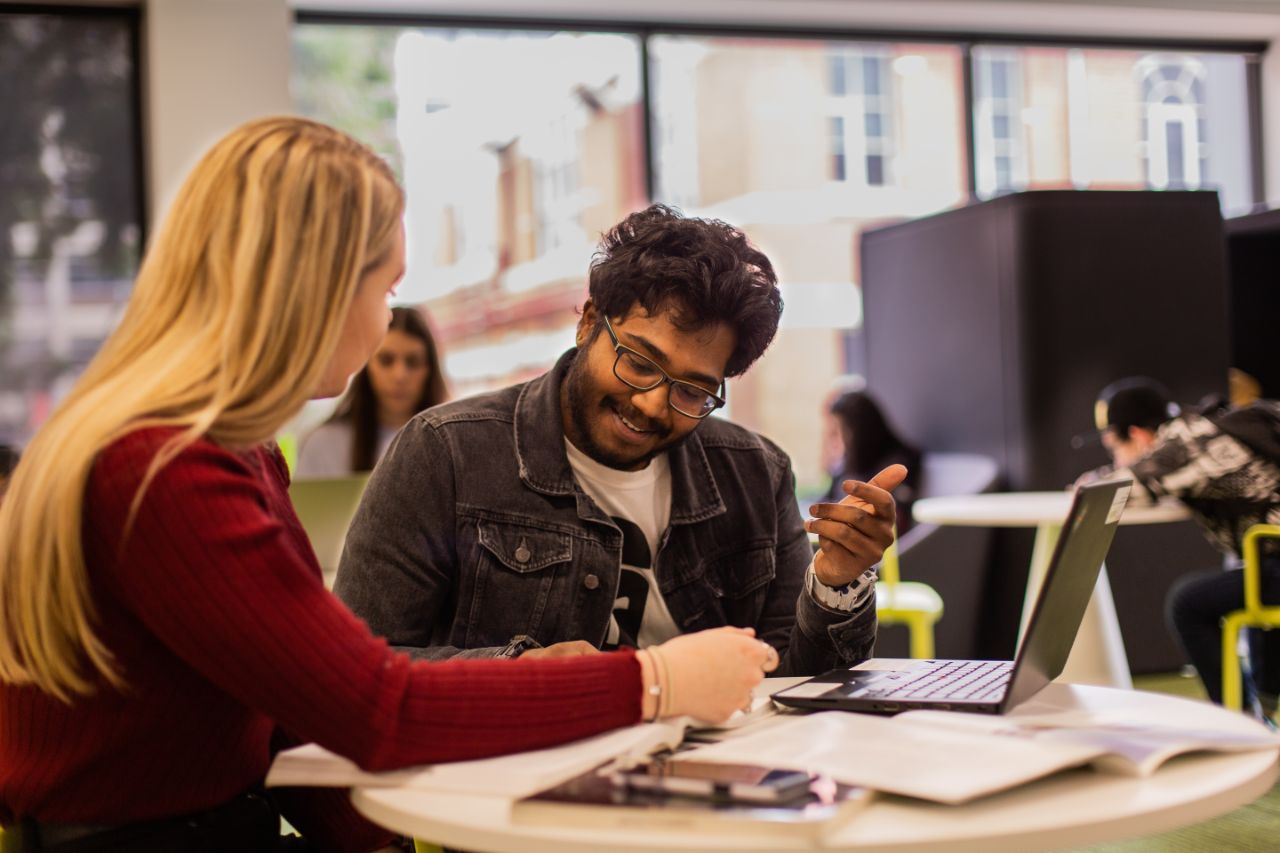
633	587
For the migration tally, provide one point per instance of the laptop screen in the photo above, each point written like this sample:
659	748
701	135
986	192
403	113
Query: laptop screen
1068	585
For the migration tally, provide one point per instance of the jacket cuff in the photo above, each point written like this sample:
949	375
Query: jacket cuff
850	634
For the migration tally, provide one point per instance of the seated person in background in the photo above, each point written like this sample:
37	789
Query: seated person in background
402	379
871	445
163	625
598	506
1226	483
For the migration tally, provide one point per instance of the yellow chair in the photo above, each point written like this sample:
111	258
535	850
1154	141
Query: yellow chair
288	443
1254	615
898	602
426	847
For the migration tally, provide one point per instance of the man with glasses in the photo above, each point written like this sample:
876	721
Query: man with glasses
599	506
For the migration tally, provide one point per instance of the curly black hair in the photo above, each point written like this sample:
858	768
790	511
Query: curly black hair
703	271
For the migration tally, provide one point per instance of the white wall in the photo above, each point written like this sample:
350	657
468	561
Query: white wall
209	65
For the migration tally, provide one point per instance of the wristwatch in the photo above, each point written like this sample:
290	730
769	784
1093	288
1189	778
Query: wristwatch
848	597
519	644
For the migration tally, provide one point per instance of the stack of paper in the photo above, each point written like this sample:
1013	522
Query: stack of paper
953	758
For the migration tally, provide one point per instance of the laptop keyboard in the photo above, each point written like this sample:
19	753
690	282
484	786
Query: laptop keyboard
978	680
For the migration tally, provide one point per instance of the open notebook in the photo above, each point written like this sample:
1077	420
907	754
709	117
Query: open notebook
950	757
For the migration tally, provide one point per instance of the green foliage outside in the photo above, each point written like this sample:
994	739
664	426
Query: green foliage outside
68	152
343	76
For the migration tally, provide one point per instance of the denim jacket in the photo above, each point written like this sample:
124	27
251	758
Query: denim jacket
472	531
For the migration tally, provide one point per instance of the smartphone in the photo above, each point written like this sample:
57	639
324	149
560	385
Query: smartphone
742	783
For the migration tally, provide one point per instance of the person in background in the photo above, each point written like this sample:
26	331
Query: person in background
1208	462
869	445
402	379
8	461
601	505
164	629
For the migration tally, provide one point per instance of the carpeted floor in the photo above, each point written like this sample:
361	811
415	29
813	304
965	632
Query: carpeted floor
1255	827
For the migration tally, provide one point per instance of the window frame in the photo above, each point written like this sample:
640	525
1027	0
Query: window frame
967	40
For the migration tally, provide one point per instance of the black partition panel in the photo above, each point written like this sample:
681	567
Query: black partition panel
991	328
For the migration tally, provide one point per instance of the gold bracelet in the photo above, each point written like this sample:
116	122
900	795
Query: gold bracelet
668	695
654	689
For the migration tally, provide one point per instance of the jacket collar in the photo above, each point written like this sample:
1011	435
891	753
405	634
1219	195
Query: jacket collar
544	464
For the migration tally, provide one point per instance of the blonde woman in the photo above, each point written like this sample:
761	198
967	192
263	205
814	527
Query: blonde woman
165	628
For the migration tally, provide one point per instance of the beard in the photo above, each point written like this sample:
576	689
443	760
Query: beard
588	407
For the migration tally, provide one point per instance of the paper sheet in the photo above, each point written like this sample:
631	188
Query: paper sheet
916	761
515	775
953	758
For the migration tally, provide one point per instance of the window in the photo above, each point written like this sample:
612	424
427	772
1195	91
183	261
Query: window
998	120
861	120
70	200
519	147
516	149
803	144
554	151
1174	131
675	126
1047	117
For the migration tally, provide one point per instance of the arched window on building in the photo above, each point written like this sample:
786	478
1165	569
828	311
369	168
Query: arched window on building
1173	127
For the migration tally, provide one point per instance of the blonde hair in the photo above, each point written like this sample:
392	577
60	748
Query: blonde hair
234	316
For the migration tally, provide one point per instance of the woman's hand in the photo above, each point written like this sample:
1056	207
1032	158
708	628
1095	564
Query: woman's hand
567	649
707	675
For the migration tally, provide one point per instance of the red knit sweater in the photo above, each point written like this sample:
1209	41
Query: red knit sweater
215	611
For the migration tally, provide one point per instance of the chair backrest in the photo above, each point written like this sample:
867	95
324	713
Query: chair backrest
325	506
951	560
889	571
288	444
1252	566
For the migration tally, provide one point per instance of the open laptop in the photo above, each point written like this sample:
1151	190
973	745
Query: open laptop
890	685
325	506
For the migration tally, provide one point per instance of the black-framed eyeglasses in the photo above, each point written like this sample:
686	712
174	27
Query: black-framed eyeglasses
643	374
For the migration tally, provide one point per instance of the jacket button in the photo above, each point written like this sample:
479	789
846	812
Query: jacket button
522	553
591	581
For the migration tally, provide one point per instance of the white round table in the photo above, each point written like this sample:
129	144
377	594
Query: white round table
1070	809
1098	655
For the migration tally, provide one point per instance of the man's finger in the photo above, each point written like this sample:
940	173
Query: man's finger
876	492
847	513
850	538
890	478
874	499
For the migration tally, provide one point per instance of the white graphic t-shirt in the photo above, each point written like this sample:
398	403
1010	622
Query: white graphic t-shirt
639	502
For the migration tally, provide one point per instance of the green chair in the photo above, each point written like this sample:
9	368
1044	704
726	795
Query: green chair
1254	615
898	602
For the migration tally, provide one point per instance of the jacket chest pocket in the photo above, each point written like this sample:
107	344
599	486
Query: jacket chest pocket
523	549
521	571
732	589
742	573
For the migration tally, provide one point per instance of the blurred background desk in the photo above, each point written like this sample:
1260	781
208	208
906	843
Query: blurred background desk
1098	655
1070	809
